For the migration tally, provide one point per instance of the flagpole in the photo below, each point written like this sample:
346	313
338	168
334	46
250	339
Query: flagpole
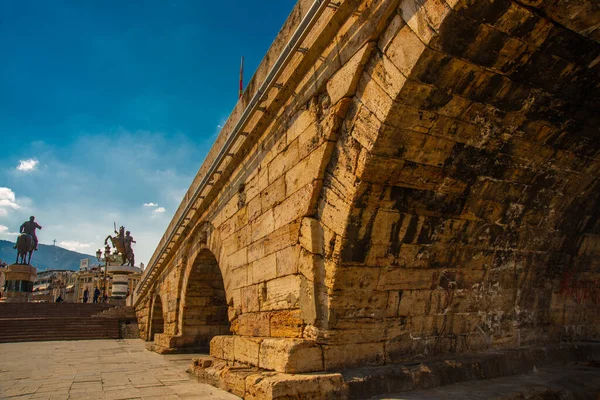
241	78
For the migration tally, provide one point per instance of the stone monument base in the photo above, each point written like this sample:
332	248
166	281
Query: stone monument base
18	286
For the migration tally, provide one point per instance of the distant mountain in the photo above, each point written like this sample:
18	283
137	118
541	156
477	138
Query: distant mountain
47	257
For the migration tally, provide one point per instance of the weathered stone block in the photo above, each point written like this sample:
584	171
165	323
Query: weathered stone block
287	261
254	324
287	323
344	82
280	387
346	355
311	236
222	347
246	349
264	269
282	293
290	355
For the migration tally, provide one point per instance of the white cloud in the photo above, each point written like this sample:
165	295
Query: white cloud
65	194
27	165
150	205
4	231
7	200
74	245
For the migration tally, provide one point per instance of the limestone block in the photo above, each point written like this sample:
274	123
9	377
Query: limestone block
414	302
308	264
387	76
405	50
287	261
347	355
355	277
234	379
299	123
390	32
424	18
286	323
283	386
251	186
236	278
284	161
343	83
254	324
374	97
263	225
312	236
222	347
295	206
413	122
356	303
282	293
273	194
276	240
238	259
246	349
334	211
365	129
405	279
290	355
306	171
264	269
356	330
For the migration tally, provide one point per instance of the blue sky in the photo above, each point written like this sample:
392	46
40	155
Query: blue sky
108	108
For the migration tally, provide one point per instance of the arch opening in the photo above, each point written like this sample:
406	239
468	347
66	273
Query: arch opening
204	307
157	322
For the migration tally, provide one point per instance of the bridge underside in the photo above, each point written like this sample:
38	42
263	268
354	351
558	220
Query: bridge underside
427	184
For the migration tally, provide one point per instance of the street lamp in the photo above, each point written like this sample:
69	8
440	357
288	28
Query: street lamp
106	260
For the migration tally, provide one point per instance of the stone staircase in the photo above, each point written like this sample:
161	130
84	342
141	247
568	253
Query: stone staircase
118	312
31	322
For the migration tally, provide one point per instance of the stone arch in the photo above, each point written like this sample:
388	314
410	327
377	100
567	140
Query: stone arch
472	185
156	320
204	307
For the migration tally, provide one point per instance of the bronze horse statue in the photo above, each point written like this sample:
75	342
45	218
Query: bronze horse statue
24	245
118	243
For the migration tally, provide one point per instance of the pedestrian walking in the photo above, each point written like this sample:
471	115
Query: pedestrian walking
96	294
85	295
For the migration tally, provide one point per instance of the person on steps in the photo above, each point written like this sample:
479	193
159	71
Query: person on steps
96	294
85	295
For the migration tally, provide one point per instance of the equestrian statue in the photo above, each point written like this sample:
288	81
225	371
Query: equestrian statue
123	243
27	242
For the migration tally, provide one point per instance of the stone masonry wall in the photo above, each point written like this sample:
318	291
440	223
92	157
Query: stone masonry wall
425	182
467	176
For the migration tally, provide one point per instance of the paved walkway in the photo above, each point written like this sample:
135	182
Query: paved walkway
97	369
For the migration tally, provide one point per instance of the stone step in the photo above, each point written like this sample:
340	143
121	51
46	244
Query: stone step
574	381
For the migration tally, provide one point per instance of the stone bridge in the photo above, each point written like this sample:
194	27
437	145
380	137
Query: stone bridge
400	178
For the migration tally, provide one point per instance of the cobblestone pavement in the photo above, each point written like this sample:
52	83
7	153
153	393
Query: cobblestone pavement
97	369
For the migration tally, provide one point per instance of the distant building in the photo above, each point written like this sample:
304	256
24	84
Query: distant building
50	284
120	282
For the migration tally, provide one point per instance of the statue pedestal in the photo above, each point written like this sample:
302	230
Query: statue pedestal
18	284
121	281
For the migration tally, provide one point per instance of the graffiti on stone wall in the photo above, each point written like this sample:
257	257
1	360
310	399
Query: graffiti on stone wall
581	291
